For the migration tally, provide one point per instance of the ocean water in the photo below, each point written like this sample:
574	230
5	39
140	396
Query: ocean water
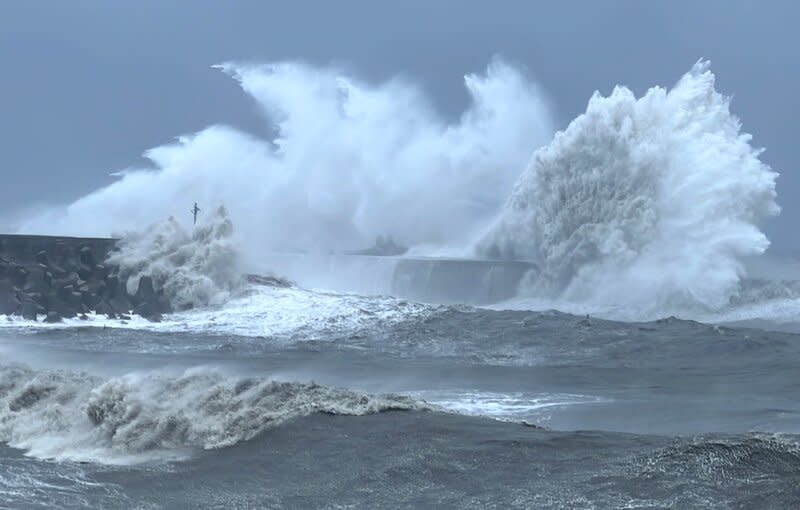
294	398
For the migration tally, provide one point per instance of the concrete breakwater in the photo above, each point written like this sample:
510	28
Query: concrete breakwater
426	279
63	277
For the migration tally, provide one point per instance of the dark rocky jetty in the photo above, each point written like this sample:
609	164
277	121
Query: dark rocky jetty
64	277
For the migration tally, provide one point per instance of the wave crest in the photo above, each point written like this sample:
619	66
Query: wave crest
152	415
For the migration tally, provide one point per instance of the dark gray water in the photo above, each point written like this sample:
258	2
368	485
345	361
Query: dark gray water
433	460
508	409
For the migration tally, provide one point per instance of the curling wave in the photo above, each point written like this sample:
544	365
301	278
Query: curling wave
156	415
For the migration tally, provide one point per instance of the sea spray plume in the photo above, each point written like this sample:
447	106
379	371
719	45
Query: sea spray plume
650	202
349	161
191	270
153	415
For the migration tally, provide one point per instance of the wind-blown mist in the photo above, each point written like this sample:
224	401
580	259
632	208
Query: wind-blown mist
350	161
650	202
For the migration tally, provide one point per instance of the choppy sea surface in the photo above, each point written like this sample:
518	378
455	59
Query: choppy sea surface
293	398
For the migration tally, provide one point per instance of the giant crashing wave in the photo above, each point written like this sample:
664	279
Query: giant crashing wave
651	202
339	162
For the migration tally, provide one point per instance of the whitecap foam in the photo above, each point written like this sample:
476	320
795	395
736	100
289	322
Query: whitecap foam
293	313
277	313
158	415
514	406
26	484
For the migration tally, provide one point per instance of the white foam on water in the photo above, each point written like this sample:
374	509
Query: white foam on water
26	484
274	312
515	406
158	415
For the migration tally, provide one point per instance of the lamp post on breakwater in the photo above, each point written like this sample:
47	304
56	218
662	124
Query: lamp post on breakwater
194	212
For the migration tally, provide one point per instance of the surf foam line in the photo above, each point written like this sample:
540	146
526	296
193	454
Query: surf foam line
283	315
151	416
648	204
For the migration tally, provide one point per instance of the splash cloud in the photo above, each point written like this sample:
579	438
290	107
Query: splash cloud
349	161
653	200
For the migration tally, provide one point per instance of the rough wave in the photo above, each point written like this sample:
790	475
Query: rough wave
192	270
157	415
715	459
642	202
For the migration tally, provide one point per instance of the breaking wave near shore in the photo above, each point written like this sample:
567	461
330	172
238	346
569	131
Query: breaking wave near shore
157	415
640	208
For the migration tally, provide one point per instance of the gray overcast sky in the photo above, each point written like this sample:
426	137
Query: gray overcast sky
87	86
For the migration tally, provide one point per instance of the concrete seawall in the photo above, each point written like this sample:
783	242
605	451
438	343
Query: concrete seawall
475	282
433	280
